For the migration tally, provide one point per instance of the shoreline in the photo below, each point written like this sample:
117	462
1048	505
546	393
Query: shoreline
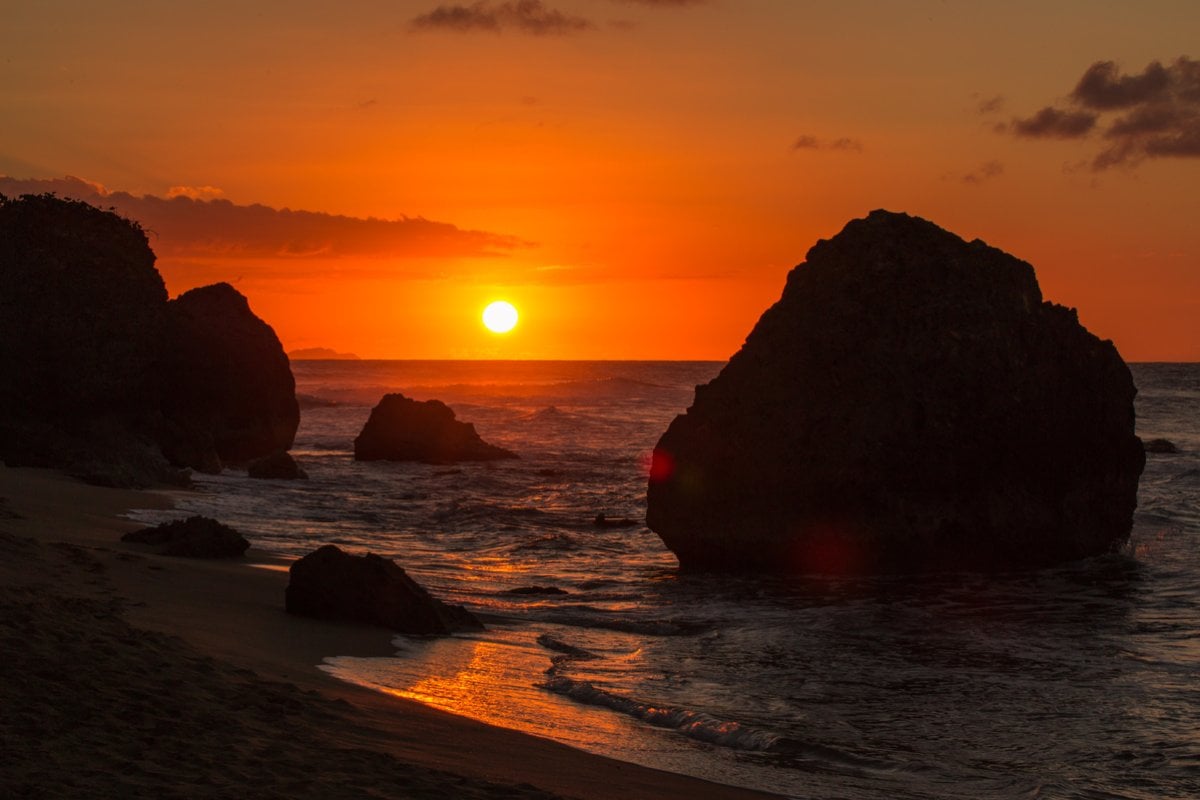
213	630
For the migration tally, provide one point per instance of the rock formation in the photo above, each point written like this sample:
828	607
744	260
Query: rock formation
329	583
910	403
1161	446
104	377
82	316
232	393
401	429
194	537
277	466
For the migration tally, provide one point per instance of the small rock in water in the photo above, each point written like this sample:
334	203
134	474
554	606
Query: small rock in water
402	429
538	590
1161	446
277	466
601	521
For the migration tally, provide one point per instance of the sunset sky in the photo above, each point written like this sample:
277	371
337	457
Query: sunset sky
636	176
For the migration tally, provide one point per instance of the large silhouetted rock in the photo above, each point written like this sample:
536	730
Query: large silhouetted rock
329	583
99	375
910	403
232	397
82	316
401	429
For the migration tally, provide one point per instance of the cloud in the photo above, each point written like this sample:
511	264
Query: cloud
984	172
184	226
1151	114
807	141
1054	123
991	105
525	16
1103	86
194	192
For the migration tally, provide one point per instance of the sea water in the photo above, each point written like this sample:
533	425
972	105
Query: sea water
1076	682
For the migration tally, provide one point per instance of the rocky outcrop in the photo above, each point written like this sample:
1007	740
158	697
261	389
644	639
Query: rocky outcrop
278	466
329	583
104	377
194	537
82	316
1161	446
402	429
910	403
232	396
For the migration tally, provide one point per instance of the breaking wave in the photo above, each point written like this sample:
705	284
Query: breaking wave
693	724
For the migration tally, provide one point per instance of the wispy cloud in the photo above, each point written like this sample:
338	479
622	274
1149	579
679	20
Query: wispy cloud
524	16
194	192
663	3
187	224
807	141
990	105
983	173
1151	114
1055	123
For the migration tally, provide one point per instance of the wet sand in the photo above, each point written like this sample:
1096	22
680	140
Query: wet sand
128	674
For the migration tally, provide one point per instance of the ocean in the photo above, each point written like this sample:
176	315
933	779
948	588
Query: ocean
1076	682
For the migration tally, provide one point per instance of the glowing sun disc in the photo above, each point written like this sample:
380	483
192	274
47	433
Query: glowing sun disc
500	317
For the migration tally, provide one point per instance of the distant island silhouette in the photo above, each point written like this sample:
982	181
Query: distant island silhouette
320	354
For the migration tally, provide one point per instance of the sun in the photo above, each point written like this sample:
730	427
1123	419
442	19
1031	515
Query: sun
500	317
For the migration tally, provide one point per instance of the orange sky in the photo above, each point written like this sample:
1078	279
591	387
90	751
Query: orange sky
636	176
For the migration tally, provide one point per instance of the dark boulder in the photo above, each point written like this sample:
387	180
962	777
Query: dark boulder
401	429
194	537
1161	446
329	583
277	466
231	396
910	403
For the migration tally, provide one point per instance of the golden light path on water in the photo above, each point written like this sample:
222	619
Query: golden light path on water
486	677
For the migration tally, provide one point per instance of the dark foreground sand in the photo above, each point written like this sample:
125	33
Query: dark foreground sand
125	674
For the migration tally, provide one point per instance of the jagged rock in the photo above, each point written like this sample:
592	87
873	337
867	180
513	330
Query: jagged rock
910	403
194	537
277	466
401	429
329	583
232	397
1161	446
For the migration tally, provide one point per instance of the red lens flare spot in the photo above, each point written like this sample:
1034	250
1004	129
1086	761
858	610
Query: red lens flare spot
830	549
662	466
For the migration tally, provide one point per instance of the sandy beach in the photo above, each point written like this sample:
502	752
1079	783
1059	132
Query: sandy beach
127	674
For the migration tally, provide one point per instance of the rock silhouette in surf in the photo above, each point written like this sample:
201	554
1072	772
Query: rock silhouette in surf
402	429
278	466
330	583
103	376
194	537
910	403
